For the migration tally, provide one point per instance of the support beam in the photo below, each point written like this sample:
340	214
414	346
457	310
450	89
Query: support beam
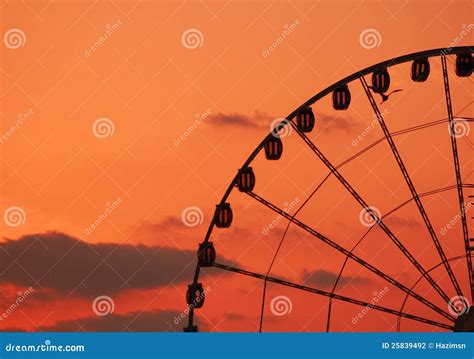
376	219
332	295
457	169
350	255
414	193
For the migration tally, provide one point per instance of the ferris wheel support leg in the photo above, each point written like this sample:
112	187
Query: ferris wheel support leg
457	169
411	186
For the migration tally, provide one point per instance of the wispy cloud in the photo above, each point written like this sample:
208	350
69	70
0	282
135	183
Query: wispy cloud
402	222
257	120
324	279
260	120
330	123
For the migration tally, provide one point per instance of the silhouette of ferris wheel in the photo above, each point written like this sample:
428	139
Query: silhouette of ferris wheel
456	315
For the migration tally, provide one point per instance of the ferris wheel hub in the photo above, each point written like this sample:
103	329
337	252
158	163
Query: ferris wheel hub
465	322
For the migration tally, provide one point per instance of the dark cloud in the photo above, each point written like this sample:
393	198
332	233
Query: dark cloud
257	120
60	262
324	279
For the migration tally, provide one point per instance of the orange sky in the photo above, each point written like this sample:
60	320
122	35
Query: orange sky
179	121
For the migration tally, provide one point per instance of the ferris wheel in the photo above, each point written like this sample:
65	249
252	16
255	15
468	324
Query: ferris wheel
448	278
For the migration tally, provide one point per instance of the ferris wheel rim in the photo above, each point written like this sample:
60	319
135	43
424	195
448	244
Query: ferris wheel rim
438	52
353	77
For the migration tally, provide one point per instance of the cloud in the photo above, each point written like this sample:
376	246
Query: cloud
234	316
325	279
401	222
60	262
337	123
167	225
257	120
328	123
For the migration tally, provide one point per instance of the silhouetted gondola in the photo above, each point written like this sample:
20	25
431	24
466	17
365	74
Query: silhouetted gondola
341	98
464	65
223	215
195	295
273	148
420	70
206	254
246	180
305	119
381	80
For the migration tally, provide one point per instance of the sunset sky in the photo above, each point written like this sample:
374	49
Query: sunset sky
123	123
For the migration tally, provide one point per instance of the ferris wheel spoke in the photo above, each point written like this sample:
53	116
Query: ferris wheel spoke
281	243
457	169
331	295
414	193
386	214
342	270
377	220
349	254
